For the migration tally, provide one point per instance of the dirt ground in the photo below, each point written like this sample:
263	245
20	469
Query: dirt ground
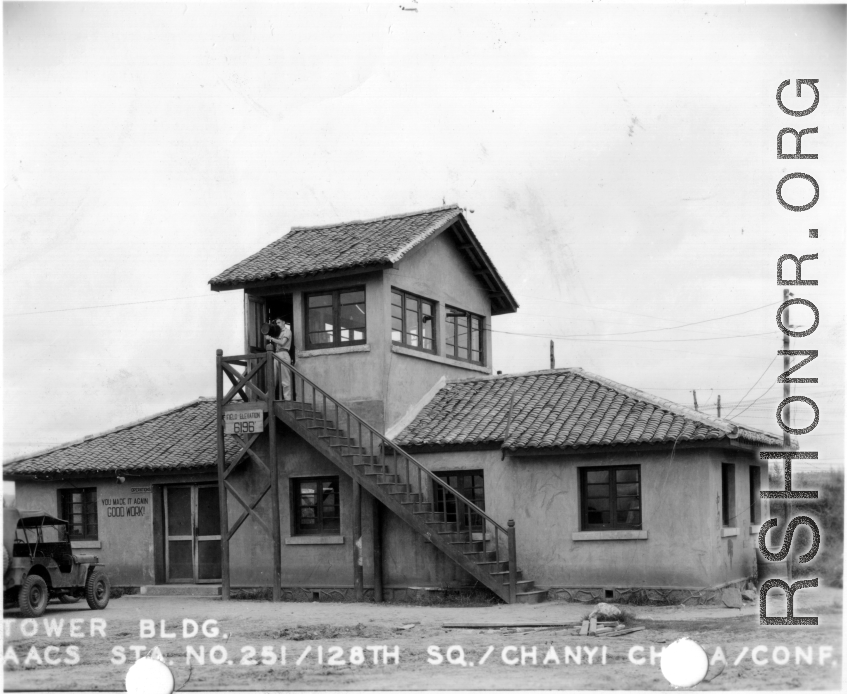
333	646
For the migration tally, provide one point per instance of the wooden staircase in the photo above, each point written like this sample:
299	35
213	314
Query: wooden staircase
459	529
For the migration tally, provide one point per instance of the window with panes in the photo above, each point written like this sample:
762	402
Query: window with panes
79	508
336	318
727	494
471	485
316	506
412	321
755	494
611	497
464	338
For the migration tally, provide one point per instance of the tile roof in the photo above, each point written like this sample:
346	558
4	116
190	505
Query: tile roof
561	409
179	439
310	250
372	243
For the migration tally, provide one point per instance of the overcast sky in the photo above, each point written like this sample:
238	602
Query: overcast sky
618	163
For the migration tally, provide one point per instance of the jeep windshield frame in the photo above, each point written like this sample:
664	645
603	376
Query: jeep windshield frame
37	522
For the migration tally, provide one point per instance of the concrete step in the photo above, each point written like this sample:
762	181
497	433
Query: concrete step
175	589
532	596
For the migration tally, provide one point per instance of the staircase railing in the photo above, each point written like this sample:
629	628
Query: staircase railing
498	543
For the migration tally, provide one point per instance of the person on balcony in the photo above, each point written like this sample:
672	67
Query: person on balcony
281	346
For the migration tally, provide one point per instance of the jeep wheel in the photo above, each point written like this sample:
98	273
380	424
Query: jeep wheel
33	596
68	599
97	590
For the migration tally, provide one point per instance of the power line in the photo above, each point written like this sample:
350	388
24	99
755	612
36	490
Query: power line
679	327
752	403
85	308
597	339
753	386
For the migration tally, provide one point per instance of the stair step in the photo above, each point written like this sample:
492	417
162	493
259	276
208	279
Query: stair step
438	522
295	406
523	586
375	469
389	478
465	543
406	494
482	555
503	564
395	487
338	441
372	462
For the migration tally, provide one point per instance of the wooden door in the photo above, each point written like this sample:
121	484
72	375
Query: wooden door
255	313
192	534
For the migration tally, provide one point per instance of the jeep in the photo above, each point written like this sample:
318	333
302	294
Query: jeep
39	564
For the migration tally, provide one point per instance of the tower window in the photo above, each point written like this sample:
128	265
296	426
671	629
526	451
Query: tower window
336	318
412	321
464	335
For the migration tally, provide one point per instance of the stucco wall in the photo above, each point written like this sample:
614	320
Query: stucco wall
681	514
352	375
377	381
435	271
127	543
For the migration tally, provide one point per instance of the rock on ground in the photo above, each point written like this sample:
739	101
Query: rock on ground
604	609
731	596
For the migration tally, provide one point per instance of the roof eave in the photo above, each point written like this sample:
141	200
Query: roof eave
502	299
111	472
289	280
724	442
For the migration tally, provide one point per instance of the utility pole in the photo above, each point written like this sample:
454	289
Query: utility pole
552	356
694	392
719	406
786	393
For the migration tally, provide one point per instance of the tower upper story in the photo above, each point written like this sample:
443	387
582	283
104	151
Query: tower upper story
381	309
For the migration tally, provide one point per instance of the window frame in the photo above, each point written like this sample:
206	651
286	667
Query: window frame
296	495
336	323
440	502
755	496
89	531
614	524
433	320
452	326
728	505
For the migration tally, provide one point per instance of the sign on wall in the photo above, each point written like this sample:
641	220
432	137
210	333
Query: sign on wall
243	422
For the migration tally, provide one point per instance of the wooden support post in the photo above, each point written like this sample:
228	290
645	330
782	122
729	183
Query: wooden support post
273	464
219	429
513	564
719	406
358	568
694	392
376	516
552	356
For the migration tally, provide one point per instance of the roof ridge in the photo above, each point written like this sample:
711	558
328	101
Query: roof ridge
726	426
115	430
494	377
430	229
683	410
378	219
